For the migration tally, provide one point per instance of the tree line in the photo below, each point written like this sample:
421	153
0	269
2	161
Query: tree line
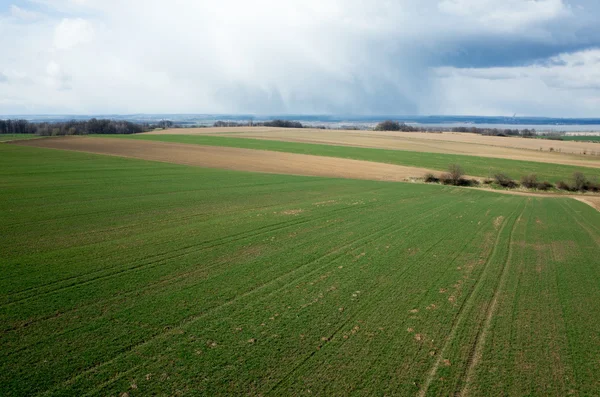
93	126
390	125
273	123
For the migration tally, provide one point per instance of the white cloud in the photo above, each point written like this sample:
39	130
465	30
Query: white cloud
272	56
549	88
506	12
57	77
72	32
21	13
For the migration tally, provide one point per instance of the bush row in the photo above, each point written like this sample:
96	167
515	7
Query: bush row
580	183
455	177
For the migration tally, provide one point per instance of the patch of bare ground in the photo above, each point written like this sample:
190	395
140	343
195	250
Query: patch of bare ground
232	158
292	212
562	249
540	150
498	221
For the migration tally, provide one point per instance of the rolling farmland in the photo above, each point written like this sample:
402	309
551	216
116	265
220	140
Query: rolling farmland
512	148
473	165
124	275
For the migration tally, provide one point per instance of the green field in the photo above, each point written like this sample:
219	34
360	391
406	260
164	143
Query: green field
14	137
583	138
473	165
123	275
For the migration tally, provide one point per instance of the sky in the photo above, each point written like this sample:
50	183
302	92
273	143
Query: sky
338	57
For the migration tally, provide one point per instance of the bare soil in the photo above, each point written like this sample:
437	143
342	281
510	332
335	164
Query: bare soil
232	158
563	152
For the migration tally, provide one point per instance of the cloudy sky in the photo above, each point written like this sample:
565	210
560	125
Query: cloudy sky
401	57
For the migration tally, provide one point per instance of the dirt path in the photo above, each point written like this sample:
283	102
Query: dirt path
233	158
256	161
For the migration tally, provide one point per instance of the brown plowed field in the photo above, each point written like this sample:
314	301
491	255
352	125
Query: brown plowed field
563	152
233	158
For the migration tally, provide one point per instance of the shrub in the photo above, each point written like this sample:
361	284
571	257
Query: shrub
446	179
592	186
545	185
430	178
595	187
529	181
562	185
488	181
455	172
505	181
454	177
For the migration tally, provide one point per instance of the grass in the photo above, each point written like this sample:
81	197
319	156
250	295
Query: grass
473	165
14	137
123	275
582	138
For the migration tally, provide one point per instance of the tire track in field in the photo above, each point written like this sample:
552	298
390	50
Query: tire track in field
583	224
188	321
205	242
164	284
158	210
191	319
143	266
221	241
125	238
189	250
477	349
228	239
459	318
441	277
365	307
475	235
168	281
54	316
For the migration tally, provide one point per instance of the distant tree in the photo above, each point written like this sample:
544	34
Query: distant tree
73	127
388	125
579	181
456	173
164	124
283	124
527	133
